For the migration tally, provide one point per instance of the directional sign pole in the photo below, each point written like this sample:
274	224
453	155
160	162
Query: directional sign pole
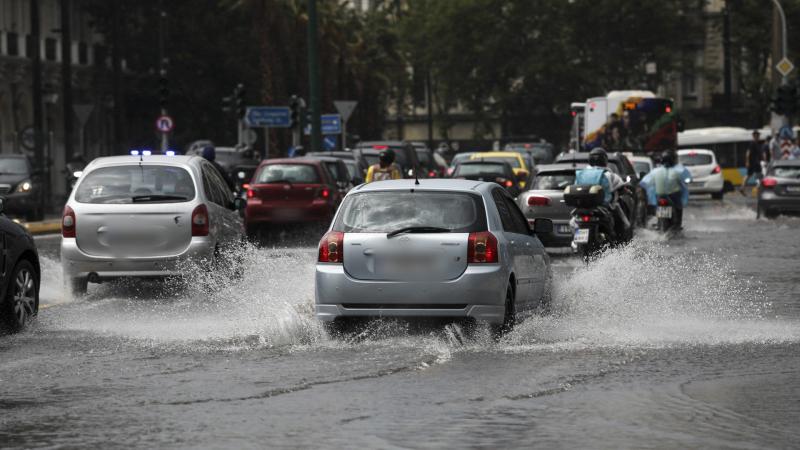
265	152
345	109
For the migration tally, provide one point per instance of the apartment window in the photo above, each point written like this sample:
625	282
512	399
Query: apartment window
29	46
12	42
50	49
689	89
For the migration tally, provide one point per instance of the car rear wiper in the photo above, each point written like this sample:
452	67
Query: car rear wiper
156	198
289	182
417	230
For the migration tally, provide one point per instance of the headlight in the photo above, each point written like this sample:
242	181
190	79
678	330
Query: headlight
77	173
25	186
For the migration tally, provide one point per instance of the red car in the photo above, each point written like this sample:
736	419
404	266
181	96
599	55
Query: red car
296	190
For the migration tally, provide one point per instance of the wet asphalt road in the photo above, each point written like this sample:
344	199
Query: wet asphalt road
692	342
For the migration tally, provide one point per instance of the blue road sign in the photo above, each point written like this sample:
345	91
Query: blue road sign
329	142
331	124
268	116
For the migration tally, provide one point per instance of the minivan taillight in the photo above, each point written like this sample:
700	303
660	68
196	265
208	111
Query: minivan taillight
769	182
331	248
200	221
482	248
68	223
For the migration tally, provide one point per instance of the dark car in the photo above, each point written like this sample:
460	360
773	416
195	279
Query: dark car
779	191
19	276
355	167
367	154
427	161
499	172
545	200
633	196
539	152
291	190
232	160
337	169
21	186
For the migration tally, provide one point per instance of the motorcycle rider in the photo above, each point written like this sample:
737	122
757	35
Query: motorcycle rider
598	174
669	180
385	169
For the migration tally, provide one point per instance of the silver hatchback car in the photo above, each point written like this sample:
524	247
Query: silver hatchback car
440	248
142	216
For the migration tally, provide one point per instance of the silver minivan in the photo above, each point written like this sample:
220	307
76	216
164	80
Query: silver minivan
439	248
144	216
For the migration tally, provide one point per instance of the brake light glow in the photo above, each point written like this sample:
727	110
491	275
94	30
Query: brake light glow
716	170
246	186
331	248
508	183
200	221
535	200
668	109
432	174
769	182
692	153
586	218
380	147
482	248
68	223
663	202
325	193
251	193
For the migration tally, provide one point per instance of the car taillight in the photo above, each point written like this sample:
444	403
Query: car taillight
586	218
535	200
331	248
251	193
508	183
68	223
716	170
200	221
246	186
663	202
769	182
324	193
482	248
432	174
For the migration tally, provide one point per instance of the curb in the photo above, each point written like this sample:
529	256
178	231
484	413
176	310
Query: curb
46	227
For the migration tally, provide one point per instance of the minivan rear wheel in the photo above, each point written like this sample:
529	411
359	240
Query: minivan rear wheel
509	317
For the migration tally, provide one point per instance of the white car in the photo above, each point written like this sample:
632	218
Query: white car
143	216
706	173
641	164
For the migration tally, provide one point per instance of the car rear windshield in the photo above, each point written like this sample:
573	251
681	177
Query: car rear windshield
486	168
509	159
135	184
695	159
293	173
13	166
553	181
641	166
786	172
386	211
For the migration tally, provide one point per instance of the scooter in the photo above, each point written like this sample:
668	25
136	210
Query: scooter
665	214
593	223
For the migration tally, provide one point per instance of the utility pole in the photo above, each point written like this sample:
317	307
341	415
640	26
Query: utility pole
726	61
429	107
66	75
162	71
36	69
779	39
116	78
313	78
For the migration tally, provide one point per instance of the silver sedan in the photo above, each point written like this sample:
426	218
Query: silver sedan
440	248
143	216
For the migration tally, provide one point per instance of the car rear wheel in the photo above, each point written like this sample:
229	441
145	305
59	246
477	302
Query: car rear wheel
78	286
22	297
509	317
718	195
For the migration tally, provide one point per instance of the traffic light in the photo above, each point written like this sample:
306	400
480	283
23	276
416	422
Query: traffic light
227	104
163	91
785	100
241	106
296	107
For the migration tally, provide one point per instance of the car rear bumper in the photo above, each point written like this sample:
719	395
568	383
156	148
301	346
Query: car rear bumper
77	264
479	293
560	237
708	185
266	213
769	201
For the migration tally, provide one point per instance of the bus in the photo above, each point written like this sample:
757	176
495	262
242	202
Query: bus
630	121
729	144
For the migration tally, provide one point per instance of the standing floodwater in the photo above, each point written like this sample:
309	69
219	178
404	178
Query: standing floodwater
690	342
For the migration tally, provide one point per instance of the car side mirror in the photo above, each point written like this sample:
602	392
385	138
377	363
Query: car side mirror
239	204
542	226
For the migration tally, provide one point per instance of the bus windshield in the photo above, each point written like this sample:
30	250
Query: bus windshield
637	125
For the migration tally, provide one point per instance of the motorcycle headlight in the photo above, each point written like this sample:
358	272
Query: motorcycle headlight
25	186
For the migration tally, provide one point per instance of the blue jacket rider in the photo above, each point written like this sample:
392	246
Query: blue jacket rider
598	174
669	180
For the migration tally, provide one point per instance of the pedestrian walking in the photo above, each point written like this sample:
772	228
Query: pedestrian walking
753	158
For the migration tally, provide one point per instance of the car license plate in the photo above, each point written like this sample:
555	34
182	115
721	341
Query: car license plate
581	236
793	189
664	212
407	265
564	229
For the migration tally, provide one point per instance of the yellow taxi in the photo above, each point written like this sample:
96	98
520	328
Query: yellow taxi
521	170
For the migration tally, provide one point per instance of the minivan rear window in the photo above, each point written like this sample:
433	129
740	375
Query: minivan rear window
695	159
293	173
136	184
386	211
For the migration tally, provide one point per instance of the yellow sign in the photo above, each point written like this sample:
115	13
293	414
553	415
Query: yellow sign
784	67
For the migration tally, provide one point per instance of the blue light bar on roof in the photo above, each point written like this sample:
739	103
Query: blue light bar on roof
134	152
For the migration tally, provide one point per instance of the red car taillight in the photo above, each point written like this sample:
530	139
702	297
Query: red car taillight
769	182
482	248
508	184
331	248
251	193
324	193
716	170
68	223
200	221
535	200
586	218
663	202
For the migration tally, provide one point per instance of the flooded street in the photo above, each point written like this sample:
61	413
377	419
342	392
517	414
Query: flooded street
689	342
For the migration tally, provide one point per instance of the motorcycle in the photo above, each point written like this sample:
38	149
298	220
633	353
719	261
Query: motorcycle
665	214
592	222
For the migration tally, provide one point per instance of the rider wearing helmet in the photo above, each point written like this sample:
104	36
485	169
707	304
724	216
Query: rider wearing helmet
598	174
385	169
669	180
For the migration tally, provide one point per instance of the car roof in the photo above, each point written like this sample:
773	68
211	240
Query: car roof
704	151
322	158
387	143
302	160
584	156
152	159
640	158
438	184
786	163
334	154
558	167
497	155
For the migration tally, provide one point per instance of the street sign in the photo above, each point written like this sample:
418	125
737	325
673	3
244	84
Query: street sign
165	124
345	108
331	124
784	67
83	112
268	116
329	142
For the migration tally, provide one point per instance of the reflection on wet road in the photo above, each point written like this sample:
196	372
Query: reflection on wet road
688	342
